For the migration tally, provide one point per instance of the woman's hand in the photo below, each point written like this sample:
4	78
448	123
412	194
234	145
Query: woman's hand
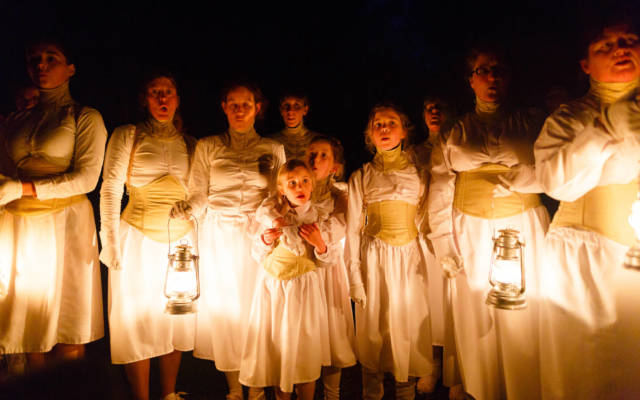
270	235
10	190
311	233
358	295
181	209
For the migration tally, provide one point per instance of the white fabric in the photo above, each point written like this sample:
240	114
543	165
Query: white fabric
139	327
494	360
288	335
589	315
50	262
295	141
393	330
10	190
228	181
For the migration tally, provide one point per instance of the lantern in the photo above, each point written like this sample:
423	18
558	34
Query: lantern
632	258
182	280
506	273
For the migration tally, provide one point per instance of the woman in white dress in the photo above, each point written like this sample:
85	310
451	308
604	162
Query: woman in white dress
295	137
231	174
152	159
482	180
50	291
385	261
588	157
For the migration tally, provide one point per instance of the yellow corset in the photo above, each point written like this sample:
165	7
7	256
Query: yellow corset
29	206
604	209
149	206
474	194
392	221
284	265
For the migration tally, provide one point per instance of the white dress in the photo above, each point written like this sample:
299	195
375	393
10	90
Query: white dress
590	329
50	262
230	176
288	336
393	330
295	141
496	349
139	327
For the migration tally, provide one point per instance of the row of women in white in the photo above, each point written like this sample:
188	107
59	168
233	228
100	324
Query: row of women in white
282	324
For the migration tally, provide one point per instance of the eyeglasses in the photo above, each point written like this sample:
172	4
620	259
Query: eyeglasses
496	70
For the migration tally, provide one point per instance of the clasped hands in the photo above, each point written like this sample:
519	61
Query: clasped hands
309	232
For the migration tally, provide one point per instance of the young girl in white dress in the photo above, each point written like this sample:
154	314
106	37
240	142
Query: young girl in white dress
386	264
288	339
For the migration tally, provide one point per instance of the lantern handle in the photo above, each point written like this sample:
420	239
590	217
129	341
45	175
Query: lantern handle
195	220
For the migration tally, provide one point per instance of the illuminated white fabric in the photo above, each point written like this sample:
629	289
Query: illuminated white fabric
295	141
479	331
288	335
393	330
139	327
589	325
50	262
230	177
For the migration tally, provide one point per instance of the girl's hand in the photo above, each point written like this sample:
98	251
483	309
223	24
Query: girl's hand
270	235
181	210
311	233
278	222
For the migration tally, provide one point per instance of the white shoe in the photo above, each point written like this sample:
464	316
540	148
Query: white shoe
175	396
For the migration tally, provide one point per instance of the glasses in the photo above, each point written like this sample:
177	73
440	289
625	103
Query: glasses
495	70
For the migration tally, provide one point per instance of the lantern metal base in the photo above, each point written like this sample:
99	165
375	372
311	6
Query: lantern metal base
632	258
506	300
180	308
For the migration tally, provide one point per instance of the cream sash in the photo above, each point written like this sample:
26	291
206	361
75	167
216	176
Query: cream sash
474	194
392	221
149	206
604	209
30	206
284	265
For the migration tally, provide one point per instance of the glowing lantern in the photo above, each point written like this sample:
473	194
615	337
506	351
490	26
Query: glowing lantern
182	281
506	273
632	258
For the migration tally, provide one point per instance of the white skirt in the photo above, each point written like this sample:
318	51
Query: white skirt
138	326
393	331
50	289
228	276
497	349
288	337
590	319
339	314
436	292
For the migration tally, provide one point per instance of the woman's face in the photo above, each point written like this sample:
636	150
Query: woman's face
489	79
293	110
162	99
48	67
387	131
241	109
434	116
320	159
614	57
297	186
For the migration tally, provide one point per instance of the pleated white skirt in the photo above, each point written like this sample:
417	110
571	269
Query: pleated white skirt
589	323
50	289
139	327
393	331
497	349
288	336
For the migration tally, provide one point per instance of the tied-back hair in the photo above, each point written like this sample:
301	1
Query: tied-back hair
294	93
62	46
404	120
142	96
338	153
283	204
488	48
258	96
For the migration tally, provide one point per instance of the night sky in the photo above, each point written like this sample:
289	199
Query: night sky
346	55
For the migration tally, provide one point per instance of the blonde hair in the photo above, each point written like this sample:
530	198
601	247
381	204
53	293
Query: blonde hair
404	120
283	205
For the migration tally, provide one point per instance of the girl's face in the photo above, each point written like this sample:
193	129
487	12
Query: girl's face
433	116
297	186
489	79
387	131
48	67
293	111
614	57
162	99
241	109
320	159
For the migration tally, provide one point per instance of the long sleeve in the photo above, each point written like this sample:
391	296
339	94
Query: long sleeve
199	178
440	204
90	139
355	221
113	180
575	153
